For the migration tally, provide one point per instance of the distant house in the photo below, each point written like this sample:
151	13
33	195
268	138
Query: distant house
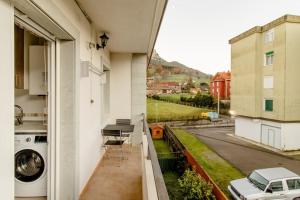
163	88
220	83
170	87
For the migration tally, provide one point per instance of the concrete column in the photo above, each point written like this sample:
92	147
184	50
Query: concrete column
120	86
138	84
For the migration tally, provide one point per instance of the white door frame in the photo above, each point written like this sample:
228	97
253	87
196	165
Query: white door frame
29	25
47	14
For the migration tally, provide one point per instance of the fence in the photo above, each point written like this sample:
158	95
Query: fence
169	163
198	168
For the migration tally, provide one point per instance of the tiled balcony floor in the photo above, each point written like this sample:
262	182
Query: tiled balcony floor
115	179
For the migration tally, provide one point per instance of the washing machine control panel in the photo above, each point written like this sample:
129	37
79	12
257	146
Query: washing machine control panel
28	139
40	139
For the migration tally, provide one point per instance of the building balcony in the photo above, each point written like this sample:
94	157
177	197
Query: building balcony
135	176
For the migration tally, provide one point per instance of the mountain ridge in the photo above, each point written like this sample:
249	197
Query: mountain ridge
174	71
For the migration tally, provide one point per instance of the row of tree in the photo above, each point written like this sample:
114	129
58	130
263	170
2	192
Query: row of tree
202	100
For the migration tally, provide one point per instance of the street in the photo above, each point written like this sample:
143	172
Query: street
243	155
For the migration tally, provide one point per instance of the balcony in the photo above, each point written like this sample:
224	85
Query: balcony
136	177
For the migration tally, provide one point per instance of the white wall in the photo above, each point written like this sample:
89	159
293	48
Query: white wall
251	129
89	113
291	136
120	86
248	128
138	84
30	104
90	126
7	101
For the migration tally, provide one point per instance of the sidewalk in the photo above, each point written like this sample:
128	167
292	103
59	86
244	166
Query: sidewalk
293	154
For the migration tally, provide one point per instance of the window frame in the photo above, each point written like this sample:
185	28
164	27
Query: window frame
265	104
269	36
267	78
269	54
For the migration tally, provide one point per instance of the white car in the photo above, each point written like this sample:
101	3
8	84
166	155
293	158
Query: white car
267	184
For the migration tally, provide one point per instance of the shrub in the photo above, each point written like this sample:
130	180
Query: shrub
156	97
194	187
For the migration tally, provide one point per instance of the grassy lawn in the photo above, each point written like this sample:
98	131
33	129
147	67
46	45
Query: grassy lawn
171	111
219	169
171	181
162	149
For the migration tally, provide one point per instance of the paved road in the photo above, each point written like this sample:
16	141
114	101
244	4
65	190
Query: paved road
243	155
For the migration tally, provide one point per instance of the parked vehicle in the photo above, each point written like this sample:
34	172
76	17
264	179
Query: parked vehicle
267	184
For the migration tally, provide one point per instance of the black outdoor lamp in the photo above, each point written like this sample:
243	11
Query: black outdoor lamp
104	38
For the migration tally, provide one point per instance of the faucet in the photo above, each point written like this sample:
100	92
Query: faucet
20	116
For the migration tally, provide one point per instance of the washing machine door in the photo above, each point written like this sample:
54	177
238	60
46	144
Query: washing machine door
29	165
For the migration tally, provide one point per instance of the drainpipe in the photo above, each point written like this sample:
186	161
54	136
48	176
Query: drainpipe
218	90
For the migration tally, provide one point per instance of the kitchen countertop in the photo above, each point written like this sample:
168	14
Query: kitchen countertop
31	127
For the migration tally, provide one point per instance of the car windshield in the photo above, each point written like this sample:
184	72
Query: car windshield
258	180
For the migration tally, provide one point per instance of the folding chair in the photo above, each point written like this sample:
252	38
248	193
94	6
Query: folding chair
123	121
113	138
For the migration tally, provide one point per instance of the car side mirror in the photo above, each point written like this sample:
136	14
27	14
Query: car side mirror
269	190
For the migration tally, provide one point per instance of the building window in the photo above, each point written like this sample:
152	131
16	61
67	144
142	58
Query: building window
268	82
268	104
269	58
269	36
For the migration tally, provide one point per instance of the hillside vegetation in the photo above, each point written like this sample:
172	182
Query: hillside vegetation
174	71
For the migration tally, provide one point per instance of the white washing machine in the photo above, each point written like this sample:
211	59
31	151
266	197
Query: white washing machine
30	164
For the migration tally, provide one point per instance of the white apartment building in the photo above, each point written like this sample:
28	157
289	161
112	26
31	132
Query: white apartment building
264	86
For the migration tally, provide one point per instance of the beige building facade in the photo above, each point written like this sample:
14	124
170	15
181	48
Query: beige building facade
265	94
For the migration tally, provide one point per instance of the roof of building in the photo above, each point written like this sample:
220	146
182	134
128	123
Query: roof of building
156	126
260	29
220	76
276	173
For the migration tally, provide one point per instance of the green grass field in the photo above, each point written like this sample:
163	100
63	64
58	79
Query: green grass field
162	149
165	111
219	169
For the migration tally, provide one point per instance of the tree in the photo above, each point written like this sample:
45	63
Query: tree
190	83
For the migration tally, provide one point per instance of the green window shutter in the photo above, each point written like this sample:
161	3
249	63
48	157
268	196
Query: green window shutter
268	105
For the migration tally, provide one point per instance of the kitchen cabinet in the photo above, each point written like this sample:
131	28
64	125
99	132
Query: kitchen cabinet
20	78
37	70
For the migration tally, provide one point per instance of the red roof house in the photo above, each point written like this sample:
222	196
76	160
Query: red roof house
220	83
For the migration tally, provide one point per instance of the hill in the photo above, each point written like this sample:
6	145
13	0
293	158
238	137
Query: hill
174	71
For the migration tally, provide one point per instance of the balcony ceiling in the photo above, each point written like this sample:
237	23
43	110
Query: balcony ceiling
132	25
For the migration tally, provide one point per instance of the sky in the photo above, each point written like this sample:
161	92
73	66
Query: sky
196	32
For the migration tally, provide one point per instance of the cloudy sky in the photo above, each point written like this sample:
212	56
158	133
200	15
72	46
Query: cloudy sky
196	32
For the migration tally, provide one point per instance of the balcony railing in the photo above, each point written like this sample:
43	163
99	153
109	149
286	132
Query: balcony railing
153	182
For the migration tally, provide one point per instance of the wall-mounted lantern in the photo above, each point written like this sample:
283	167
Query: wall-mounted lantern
103	38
